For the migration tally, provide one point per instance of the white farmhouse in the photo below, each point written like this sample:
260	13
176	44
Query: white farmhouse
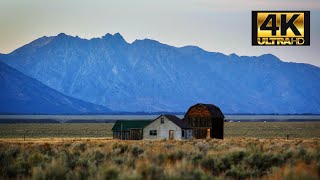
167	127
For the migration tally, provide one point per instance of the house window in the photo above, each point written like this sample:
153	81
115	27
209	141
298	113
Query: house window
153	132
162	120
182	133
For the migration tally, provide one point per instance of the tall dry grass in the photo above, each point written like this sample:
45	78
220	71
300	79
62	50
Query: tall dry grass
235	158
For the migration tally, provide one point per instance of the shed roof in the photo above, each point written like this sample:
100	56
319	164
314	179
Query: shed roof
129	124
214	110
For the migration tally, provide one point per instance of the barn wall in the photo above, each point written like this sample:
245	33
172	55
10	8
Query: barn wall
187	134
136	134
162	129
200	119
200	133
125	135
218	128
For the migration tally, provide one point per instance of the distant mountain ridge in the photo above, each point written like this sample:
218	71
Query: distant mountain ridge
149	76
20	94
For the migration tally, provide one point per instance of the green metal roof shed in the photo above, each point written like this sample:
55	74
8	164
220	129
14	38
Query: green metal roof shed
129	129
129	124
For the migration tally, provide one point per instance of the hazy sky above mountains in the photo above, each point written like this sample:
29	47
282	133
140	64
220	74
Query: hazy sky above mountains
218	26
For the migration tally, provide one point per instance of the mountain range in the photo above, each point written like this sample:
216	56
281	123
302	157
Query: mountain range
148	76
20	94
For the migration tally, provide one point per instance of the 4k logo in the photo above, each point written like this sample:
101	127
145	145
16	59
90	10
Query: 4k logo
280	28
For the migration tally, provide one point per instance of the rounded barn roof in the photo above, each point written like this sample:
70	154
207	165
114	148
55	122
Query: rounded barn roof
214	110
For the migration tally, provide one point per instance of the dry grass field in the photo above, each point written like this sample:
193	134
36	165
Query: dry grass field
99	158
103	130
87	151
64	130
273	129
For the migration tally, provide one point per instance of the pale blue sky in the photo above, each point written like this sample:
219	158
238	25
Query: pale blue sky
205	23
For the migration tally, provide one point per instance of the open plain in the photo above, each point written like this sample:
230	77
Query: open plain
87	151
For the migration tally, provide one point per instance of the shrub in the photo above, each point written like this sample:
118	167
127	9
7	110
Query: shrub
66	145
212	165
136	151
119	148
308	158
54	170
302	152
262	161
169	146
19	167
175	156
236	156
237	172
288	155
190	175
35	159
159	159
98	157
118	160
46	149
202	146
196	159
80	147
109	173
151	172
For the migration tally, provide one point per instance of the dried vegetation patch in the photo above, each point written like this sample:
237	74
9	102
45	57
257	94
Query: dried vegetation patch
101	158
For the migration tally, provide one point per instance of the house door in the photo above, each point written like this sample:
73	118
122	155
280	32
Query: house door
208	133
171	134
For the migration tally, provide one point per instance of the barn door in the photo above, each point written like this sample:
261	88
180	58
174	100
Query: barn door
171	134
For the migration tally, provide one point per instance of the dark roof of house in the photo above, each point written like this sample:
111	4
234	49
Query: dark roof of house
130	124
214	110
177	121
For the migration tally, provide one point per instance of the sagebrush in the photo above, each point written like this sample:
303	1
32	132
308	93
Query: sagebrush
235	158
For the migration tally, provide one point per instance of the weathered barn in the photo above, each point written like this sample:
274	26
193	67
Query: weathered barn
167	127
129	130
206	121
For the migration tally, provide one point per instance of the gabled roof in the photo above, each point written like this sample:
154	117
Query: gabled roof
214	110
177	121
130	124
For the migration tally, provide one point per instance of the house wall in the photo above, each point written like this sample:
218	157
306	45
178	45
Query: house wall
162	129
